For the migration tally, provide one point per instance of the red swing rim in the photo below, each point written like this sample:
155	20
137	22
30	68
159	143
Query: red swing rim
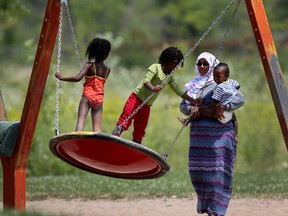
161	167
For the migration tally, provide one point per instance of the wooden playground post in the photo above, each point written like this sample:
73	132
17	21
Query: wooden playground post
269	58
14	167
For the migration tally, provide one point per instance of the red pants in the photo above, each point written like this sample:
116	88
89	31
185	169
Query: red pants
140	118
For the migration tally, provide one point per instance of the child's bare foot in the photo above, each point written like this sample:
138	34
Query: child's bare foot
117	131
183	121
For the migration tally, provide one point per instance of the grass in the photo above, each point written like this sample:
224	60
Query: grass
90	187
261	184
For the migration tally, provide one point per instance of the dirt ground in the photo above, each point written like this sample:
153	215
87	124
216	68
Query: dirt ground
157	207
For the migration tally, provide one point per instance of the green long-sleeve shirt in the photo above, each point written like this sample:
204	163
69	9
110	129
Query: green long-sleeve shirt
155	76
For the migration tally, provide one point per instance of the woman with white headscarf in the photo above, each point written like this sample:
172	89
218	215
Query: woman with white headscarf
204	74
212	149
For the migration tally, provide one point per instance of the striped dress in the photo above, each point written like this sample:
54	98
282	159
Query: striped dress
212	154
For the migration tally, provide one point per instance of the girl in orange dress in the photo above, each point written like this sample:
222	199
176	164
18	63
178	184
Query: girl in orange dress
96	73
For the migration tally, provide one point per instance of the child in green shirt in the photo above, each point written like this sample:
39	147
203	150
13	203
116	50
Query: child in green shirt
156	74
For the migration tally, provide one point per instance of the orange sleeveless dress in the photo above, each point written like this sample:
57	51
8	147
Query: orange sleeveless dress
93	90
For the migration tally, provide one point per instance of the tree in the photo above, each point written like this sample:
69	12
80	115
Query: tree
10	10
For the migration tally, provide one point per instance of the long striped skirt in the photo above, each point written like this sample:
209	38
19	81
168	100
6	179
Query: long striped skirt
212	154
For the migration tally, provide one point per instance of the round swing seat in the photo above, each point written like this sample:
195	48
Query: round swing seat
108	155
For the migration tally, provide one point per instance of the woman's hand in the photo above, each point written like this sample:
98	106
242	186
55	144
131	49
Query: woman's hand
194	111
219	112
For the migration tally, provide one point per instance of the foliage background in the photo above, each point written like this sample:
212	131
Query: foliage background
138	31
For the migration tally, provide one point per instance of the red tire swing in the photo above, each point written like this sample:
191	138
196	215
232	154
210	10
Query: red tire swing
109	155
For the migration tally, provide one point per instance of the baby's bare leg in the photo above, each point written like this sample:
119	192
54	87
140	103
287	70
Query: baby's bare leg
183	120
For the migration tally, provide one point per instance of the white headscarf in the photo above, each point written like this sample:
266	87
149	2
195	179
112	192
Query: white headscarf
196	84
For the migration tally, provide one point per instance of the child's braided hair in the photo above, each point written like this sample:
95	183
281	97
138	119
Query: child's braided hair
98	49
171	54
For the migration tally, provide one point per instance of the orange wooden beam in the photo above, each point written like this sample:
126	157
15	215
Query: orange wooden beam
270	61
14	168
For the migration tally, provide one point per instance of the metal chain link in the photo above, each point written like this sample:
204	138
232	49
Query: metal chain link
63	3
168	77
57	132
73	37
217	55
221	44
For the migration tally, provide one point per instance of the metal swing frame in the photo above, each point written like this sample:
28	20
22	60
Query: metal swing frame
14	168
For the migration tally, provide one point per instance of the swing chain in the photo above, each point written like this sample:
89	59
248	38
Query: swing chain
165	156
168	77
73	37
62	4
57	131
217	55
229	26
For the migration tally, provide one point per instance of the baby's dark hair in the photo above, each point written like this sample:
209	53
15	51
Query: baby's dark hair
171	54
98	49
225	68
